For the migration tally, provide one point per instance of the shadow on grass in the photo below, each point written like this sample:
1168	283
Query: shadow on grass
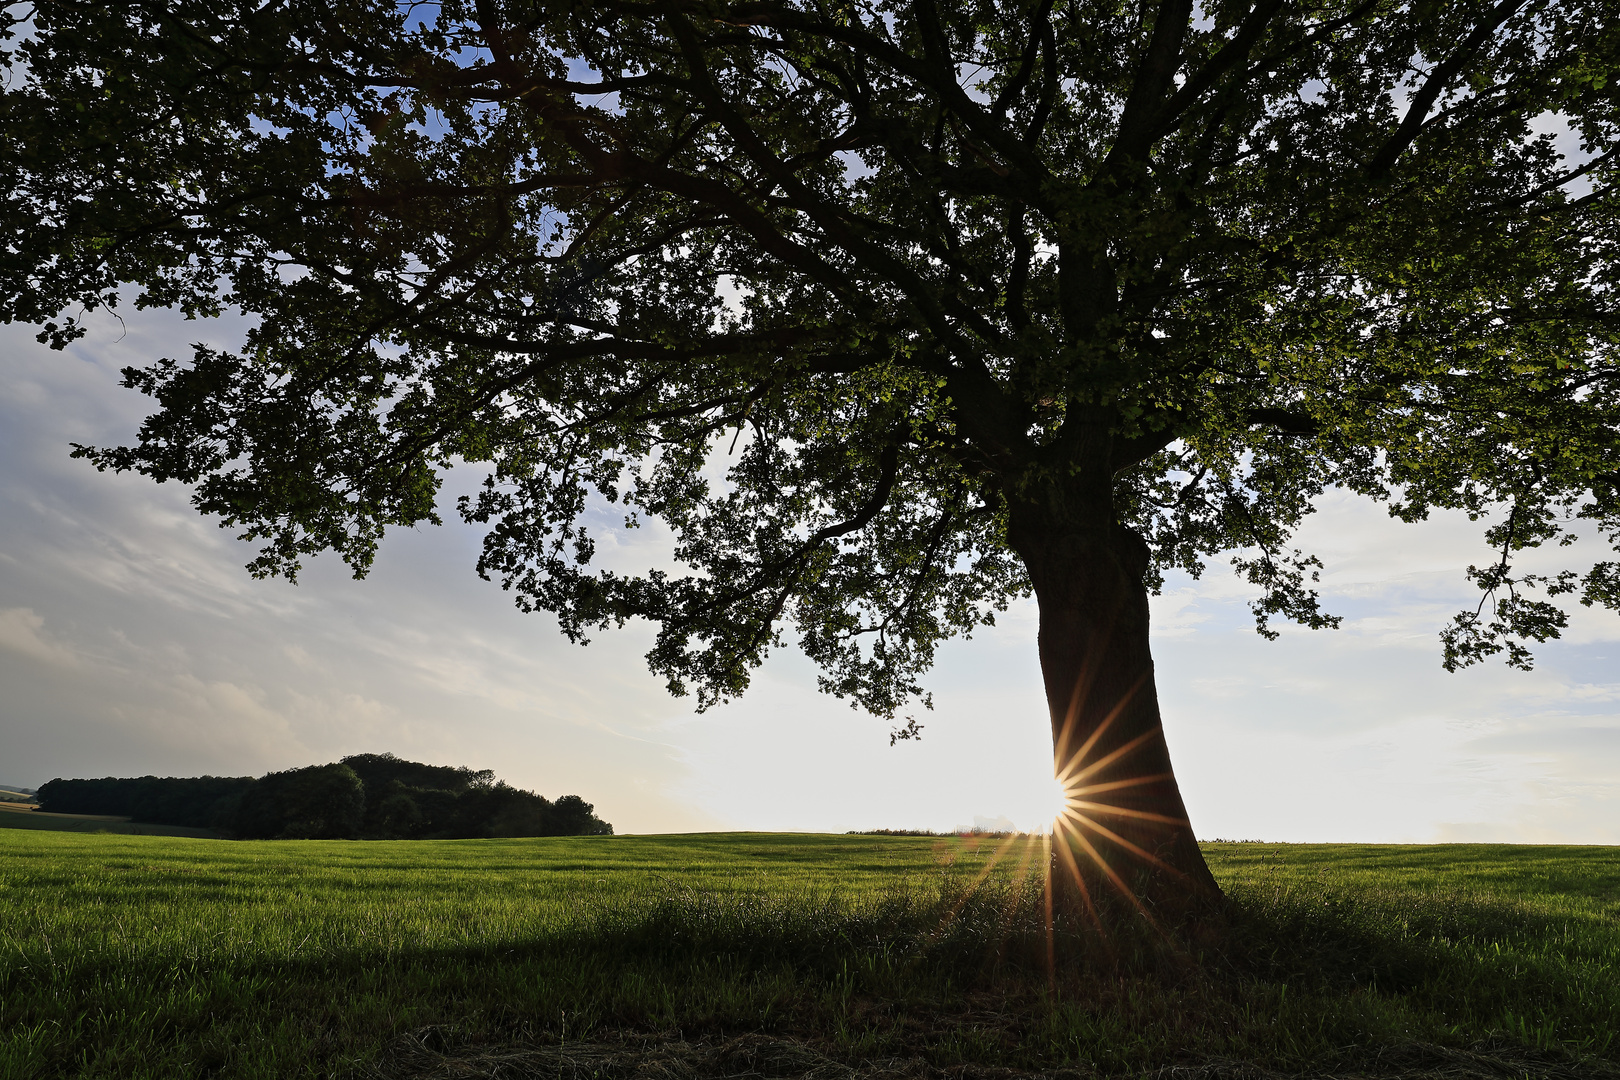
962	981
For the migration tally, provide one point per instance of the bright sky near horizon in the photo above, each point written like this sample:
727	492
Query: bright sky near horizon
132	642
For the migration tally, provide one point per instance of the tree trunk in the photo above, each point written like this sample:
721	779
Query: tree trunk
1124	838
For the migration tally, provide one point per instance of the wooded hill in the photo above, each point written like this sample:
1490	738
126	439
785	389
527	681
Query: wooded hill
362	797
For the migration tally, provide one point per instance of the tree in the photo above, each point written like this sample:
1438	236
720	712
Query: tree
316	802
891	311
573	816
498	811
380	770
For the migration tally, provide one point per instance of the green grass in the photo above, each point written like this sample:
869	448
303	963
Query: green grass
130	956
21	817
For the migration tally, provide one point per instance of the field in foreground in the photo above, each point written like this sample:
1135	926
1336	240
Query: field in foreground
776	955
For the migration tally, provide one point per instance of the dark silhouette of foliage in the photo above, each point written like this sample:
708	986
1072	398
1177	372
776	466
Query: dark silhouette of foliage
573	816
364	796
394	805
317	802
204	802
108	795
972	301
498	810
394	811
377	771
481	810
201	802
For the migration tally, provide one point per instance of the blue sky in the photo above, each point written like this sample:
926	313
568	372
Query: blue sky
131	641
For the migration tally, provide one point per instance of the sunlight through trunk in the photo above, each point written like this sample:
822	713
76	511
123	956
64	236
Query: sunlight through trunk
1124	833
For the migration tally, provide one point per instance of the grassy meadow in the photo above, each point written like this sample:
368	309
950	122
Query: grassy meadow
25	815
782	955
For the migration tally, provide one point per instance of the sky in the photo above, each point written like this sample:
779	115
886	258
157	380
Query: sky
132	641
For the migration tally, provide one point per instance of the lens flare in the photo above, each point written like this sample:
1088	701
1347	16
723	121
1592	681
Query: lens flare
1059	803
1090	826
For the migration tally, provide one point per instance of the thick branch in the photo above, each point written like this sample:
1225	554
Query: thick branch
1422	101
1153	78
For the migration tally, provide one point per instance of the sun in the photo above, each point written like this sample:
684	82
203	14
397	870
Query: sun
1058	802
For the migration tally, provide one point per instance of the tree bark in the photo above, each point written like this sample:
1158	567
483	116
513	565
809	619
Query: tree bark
1124	838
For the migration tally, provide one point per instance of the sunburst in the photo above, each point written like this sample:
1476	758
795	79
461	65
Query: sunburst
1085	801
1087	811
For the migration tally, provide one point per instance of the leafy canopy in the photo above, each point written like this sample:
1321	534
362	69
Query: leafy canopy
827	286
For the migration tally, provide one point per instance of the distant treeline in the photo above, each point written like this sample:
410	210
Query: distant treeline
988	834
362	797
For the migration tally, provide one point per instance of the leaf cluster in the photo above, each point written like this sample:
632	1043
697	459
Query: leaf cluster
826	286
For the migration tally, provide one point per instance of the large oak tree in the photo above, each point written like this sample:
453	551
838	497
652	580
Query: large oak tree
891	311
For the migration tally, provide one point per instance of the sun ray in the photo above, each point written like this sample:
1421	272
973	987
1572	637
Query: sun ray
1082	684
1134	849
1077	836
1115	785
1070	776
1096	732
1123	811
995	857
984	872
1023	865
1051	934
1066	855
1112	874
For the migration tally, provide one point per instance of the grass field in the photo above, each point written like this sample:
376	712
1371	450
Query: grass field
21	815
779	955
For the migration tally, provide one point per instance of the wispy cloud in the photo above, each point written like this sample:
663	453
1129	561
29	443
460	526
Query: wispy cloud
23	632
132	641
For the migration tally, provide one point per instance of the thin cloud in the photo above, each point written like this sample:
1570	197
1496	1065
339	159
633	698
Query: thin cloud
23	632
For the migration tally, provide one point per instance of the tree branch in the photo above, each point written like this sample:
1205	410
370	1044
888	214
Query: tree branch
1422	101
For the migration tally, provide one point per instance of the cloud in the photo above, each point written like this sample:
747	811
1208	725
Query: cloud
1585	741
132	641
23	632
